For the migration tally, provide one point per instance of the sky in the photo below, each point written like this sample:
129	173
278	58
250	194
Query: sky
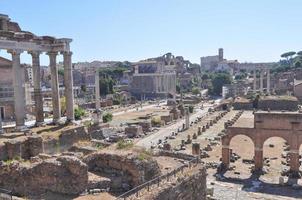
248	30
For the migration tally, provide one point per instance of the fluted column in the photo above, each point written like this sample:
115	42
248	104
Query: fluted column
261	81
254	81
19	91
56	108
268	81
68	83
37	87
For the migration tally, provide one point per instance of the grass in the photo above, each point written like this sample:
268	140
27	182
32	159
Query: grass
124	144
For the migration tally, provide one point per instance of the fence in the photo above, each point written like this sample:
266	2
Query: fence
157	180
5	194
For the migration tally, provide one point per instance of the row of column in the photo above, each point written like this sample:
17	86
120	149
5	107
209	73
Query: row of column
268	80
19	92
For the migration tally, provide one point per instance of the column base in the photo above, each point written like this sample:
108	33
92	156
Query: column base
38	124
70	121
21	128
58	121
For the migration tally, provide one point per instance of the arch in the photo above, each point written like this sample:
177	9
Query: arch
231	136
242	142
267	137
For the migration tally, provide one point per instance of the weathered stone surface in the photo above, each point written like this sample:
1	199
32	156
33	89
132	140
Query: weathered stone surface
72	136
67	175
133	131
130	168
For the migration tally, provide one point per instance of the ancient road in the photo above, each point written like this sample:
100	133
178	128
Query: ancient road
151	139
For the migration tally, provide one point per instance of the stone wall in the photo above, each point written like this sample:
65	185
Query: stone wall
192	187
66	175
21	147
278	103
127	169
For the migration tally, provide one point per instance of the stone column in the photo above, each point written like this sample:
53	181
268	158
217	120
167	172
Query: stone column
187	118
258	159
225	155
268	81
254	81
68	83
55	86
19	91
261	81
1	130
37	87
97	90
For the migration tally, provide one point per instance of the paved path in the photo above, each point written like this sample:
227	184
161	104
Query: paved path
166	131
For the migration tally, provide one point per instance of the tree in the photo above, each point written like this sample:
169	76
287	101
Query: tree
107	117
78	113
298	64
287	55
195	90
218	81
299	53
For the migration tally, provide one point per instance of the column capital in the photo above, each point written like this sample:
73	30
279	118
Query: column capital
34	53
66	53
14	51
52	53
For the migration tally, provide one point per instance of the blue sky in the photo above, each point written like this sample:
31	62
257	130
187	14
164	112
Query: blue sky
254	30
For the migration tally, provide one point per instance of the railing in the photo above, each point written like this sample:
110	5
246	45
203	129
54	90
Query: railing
5	194
157	180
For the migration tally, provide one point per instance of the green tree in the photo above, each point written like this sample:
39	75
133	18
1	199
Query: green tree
107	117
79	113
195	90
218	81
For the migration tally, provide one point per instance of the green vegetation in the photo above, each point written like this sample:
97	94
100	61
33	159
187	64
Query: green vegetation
107	117
218	80
291	60
195	90
191	109
61	72
124	144
144	155
79	113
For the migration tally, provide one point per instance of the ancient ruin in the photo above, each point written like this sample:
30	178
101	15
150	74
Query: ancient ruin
16	41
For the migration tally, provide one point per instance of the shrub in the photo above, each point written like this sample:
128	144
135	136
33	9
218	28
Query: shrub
191	109
79	113
107	117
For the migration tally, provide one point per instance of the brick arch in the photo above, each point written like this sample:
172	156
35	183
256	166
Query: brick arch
285	137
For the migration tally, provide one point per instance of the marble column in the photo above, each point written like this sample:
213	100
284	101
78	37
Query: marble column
68	83
19	90
261	81
268	81
97	90
187	118
56	108
37	87
254	81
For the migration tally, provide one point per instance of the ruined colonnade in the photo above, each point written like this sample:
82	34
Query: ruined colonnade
261	89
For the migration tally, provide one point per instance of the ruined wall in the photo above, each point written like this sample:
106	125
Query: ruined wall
282	104
22	147
67	175
127	169
192	187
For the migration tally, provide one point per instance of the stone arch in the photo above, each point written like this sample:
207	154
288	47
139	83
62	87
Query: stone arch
267	137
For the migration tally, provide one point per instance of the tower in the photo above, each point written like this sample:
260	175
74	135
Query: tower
220	54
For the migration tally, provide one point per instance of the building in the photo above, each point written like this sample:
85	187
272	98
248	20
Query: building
150	80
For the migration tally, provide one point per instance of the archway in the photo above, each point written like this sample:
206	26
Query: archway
276	159
242	150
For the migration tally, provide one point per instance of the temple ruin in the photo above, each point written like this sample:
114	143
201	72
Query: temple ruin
15	41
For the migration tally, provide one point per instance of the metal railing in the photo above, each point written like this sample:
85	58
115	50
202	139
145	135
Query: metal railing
157	180
5	194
